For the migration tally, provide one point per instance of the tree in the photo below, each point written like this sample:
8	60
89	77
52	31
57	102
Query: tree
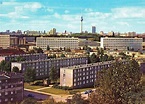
54	56
29	75
5	66
62	55
94	58
15	69
52	101
110	58
48	48
77	99
119	84
19	58
53	74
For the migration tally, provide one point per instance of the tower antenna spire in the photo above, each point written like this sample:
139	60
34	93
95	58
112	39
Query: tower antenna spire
81	22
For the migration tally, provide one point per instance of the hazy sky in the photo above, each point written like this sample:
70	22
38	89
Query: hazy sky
106	15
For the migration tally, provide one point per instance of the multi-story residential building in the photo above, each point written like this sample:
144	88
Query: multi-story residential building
82	75
24	57
11	88
122	43
57	42
42	67
4	41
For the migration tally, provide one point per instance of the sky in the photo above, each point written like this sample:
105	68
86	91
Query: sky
106	15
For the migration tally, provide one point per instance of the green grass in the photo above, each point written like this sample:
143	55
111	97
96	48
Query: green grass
55	91
31	87
81	90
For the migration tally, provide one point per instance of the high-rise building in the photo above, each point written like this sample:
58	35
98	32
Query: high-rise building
81	24
93	29
52	32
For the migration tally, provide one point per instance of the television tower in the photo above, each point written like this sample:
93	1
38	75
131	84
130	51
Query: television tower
81	24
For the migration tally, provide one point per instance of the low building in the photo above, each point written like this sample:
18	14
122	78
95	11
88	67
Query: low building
57	42
11	88
134	44
82	75
42	67
24	57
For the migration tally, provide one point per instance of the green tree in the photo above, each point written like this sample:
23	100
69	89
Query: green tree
78	99
94	58
29	75
119	84
54	56
62	55
15	69
110	58
5	66
48	48
53	74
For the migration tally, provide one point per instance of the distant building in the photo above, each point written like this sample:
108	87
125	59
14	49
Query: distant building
102	33
52	32
82	75
11	88
111	33
4	41
57	42
42	67
122	43
93	29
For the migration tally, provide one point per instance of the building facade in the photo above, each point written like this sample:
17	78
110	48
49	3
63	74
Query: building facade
122	43
11	88
82	75
4	41
42	67
24	57
57	42
93	29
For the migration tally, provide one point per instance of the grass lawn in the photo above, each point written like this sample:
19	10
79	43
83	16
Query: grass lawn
27	86
55	91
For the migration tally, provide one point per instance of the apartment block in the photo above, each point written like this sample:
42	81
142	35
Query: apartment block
4	41
11	88
82	75
42	67
122	43
57	42
26	57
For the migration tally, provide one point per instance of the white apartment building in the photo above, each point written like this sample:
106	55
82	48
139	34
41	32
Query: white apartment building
57	42
122	43
43	66
82	75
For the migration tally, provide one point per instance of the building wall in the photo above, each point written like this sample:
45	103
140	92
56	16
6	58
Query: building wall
56	42
82	75
11	89
42	67
4	41
26	57
122	43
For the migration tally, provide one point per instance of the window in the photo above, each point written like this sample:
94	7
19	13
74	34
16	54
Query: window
11	99
0	100
6	99
0	94
11	92
6	93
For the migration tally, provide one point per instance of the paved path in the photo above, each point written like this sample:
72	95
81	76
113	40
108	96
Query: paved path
56	97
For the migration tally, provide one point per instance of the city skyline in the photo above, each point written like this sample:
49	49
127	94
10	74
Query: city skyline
110	15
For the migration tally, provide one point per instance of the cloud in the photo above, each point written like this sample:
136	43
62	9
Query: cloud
66	11
88	10
50	10
129	12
